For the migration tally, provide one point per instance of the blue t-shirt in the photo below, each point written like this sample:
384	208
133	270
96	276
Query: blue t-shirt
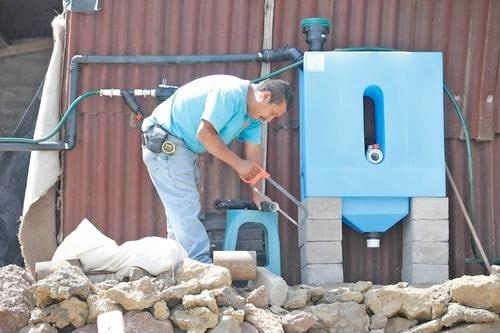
218	99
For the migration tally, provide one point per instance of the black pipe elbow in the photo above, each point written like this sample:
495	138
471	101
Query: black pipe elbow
281	54
294	54
69	142
75	62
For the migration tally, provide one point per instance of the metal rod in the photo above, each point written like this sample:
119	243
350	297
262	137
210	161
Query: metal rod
468	220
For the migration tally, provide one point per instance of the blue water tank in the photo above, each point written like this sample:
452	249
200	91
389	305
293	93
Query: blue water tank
405	91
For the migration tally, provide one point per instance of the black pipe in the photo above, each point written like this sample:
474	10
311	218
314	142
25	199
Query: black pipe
69	142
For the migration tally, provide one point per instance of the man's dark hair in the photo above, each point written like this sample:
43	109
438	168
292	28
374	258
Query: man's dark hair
280	91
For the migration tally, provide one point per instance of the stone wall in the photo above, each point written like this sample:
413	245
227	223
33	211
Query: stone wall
199	298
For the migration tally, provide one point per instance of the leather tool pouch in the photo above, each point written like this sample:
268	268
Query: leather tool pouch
154	138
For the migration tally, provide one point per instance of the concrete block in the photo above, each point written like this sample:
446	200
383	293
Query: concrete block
429	208
321	253
322	208
425	231
425	253
322	273
429	274
276	287
320	230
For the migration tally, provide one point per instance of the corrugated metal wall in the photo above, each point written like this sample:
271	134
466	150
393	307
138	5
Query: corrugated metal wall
104	178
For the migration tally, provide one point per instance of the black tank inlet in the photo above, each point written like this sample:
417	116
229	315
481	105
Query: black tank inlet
316	29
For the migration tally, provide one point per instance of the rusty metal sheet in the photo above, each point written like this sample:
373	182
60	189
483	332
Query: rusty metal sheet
104	177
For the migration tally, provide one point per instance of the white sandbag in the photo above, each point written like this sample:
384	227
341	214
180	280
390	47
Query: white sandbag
100	259
153	254
97	252
84	238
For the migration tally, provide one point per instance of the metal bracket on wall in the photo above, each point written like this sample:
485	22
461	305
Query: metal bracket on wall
81	6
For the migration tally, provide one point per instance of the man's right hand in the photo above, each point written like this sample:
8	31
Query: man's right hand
209	138
247	169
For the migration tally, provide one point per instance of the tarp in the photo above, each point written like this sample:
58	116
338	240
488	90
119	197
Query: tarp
37	232
14	166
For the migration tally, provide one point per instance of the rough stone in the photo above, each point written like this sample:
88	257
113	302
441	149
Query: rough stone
98	305
141	322
91	328
263	320
458	313
239	315
340	317
278	310
315	292
70	311
296	299
342	295
248	328
413	303
361	286
209	276
476	328
399	324
105	285
226	296
258	297
136	295
432	326
136	273
164	280
160	310
194	320
477	291
377	321
38	328
15	307
276	287
65	282
205	299
298	322
227	324
175	293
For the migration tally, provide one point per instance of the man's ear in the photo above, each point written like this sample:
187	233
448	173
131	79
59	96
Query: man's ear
266	96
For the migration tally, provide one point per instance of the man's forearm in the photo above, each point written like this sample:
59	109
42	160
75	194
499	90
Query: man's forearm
215	146
253	152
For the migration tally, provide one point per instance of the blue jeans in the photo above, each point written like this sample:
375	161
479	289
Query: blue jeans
175	178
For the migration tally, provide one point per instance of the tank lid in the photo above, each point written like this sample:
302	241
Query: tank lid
315	20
